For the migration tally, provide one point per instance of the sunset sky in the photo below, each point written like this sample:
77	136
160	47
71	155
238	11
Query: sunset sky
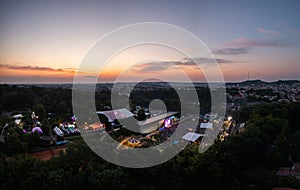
45	41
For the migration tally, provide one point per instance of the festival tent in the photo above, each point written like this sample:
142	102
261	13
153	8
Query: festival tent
37	129
190	136
206	126
116	114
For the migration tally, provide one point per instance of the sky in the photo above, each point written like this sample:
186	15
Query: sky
46	41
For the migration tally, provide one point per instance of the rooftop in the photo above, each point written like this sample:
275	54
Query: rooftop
116	114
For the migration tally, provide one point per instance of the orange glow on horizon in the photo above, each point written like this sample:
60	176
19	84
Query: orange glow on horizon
231	72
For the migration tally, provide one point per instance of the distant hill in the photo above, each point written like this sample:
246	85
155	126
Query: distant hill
286	82
260	82
252	82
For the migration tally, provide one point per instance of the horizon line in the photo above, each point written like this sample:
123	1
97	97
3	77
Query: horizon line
65	83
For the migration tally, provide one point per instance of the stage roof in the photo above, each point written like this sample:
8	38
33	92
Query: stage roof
156	118
116	114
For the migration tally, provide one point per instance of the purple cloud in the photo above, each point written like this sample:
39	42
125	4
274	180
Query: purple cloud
167	65
36	68
203	60
230	51
265	31
248	43
294	31
153	66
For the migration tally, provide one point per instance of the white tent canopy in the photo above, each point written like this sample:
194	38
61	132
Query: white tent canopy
116	114
190	136
242	125
206	125
17	116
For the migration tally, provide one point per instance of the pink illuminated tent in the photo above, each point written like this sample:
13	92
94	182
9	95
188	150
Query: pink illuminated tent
37	129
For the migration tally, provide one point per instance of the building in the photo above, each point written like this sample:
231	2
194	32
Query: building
111	115
293	171
127	119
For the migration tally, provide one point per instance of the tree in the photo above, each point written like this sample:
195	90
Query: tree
15	141
284	181
40	111
33	140
3	120
62	109
46	127
141	115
